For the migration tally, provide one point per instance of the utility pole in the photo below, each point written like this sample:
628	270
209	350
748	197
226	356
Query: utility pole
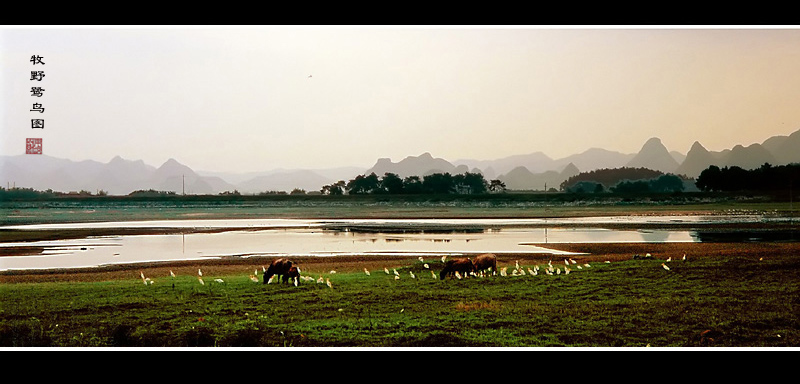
183	185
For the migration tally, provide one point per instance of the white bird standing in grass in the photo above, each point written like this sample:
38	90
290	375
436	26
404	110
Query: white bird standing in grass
433	274
458	275
366	271
421	260
219	281
200	279
254	278
171	273
395	272
386	270
665	266
328	283
444	258
426	266
320	280
199	272
566	261
412	275
397	277
684	257
669	259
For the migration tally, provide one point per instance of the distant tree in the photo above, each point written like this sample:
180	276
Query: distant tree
470	183
637	186
438	183
298	191
709	179
391	183
497	186
585	186
610	177
413	185
666	183
336	188
363	184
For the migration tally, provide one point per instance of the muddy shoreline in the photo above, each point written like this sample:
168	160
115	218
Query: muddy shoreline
590	253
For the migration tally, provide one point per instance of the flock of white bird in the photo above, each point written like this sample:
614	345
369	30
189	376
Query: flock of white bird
549	269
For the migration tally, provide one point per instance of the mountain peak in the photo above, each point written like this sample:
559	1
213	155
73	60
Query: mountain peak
653	142
654	155
697	146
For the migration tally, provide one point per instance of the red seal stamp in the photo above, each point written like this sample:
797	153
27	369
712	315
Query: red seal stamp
33	146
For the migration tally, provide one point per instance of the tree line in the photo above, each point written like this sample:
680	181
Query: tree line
435	183
734	178
623	180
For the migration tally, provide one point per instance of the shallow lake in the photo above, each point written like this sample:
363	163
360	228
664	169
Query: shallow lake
249	238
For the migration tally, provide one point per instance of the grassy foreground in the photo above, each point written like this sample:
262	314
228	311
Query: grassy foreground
745	299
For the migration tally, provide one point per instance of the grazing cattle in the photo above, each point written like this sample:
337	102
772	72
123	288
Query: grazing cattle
293	275
486	261
279	267
463	266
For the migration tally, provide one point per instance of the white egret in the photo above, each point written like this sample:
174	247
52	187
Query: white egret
366	271
665	266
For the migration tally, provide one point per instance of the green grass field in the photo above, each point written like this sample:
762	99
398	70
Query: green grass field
631	303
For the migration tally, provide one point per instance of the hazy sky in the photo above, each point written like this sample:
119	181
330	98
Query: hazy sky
240	98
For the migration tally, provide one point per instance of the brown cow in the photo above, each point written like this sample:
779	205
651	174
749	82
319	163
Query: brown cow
486	261
293	275
463	266
279	267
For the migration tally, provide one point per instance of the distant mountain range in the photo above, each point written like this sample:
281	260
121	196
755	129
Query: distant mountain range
533	171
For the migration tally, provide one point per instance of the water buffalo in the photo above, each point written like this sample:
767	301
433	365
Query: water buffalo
463	266
279	267
485	262
293	275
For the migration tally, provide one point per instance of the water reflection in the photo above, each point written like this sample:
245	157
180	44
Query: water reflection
249	238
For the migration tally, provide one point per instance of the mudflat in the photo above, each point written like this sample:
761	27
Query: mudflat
588	252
